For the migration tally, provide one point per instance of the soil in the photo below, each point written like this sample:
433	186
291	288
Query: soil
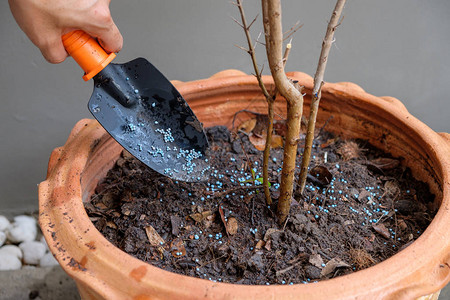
360	207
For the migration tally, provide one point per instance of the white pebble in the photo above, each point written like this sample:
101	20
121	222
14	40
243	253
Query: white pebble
23	229
4	223
43	241
11	250
48	260
2	238
9	262
33	251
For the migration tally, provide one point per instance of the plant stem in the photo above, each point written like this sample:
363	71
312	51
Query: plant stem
266	154
316	94
274	47
269	99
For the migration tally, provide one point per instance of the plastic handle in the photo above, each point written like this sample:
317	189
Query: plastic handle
87	52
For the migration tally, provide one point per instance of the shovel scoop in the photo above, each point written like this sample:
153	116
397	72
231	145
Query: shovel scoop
142	111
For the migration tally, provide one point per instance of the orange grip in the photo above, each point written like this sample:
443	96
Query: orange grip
87	52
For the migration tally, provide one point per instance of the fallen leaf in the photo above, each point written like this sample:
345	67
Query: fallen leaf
322	174
384	163
316	260
268	245
349	222
349	150
177	247
100	205
402	224
232	226
111	224
269	232
260	142
198	217
391	188
329	142
222	217
332	265
247	126
381	229
153	237
260	244
280	128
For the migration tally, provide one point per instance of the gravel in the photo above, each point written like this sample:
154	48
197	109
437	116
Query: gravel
21	246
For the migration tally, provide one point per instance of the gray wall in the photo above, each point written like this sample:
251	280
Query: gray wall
397	48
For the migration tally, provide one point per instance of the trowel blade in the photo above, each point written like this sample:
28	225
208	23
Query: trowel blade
157	127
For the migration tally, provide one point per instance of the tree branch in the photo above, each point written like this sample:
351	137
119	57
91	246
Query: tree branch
316	94
274	47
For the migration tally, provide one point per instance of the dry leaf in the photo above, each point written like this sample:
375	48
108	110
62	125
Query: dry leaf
247	126
349	150
260	142
100	205
269	232
381	229
222	217
153	237
198	217
322	174
232	226
111	224
391	188
260	244
384	163
316	260
268	245
402	224
329	142
349	222
177	247
332	265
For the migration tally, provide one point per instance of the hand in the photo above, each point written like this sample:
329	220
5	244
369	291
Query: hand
45	21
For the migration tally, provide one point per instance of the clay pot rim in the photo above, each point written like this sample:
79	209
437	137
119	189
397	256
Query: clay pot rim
87	131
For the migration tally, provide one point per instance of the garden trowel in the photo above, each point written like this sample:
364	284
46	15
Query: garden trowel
142	111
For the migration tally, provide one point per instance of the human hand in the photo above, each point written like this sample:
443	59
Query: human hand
45	21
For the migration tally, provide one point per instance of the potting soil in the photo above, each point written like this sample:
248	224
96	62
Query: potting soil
360	207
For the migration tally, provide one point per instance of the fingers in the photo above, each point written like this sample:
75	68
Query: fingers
104	29
111	40
53	50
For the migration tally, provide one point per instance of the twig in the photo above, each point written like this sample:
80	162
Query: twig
269	100
280	272
316	94
251	49
293	30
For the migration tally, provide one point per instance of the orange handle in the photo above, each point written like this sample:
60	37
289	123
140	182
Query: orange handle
87	52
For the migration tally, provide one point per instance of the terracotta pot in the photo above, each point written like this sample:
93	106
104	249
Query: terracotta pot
102	271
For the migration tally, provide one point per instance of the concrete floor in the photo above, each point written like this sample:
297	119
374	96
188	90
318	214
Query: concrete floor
54	284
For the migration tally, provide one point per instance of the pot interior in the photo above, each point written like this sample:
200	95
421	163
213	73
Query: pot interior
374	119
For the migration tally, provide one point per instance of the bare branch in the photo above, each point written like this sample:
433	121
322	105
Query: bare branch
251	23
237	22
242	48
291	31
251	49
316	93
274	48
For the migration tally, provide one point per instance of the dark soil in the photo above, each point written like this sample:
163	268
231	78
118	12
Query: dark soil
222	230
